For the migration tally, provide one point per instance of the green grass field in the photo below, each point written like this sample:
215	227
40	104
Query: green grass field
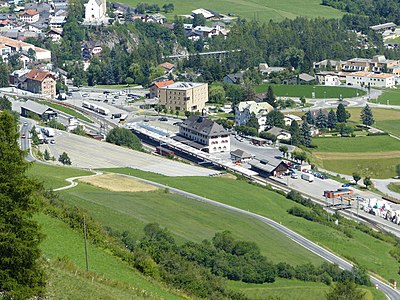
373	156
293	289
362	247
385	119
67	110
389	96
192	220
256	9
375	144
61	241
53	176
284	90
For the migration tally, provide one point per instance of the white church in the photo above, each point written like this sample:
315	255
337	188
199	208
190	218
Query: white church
95	12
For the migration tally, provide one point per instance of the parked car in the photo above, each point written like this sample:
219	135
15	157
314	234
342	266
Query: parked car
23	135
163	119
25	123
106	92
85	95
347	184
294	176
52	141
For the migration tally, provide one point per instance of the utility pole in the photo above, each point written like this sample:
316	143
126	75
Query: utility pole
86	249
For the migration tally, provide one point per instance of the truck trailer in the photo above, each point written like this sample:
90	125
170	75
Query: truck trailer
307	176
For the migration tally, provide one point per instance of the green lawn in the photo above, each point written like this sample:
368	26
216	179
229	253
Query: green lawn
374	156
53	176
357	144
294	289
362	247
185	218
283	90
389	96
61	241
259	9
395	187
67	110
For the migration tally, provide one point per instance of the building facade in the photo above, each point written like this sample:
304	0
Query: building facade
95	11
184	96
245	109
40	82
203	131
365	79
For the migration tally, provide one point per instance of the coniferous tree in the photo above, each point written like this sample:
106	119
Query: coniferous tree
253	122
366	116
321	121
309	118
341	114
295	132
305	134
270	97
21	275
332	120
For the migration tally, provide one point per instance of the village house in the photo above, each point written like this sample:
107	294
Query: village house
265	69
168	67
19	46
29	16
281	134
39	82
236	78
203	134
245	109
328	78
54	35
302	78
289	118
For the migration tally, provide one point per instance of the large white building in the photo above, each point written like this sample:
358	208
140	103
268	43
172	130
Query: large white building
95	12
205	134
245	109
366	79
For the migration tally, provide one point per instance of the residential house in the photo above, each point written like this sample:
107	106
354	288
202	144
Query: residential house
168	67
245	109
184	96
328	78
54	35
205	31
155	88
17	76
356	65
328	65
5	51
302	78
281	134
29	16
265	69
365	79
289	118
157	18
204	134
39	82
201	11
89	49
57	22
44	112
236	78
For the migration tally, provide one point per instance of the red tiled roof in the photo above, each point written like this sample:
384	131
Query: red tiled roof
167	65
163	83
38	75
30	12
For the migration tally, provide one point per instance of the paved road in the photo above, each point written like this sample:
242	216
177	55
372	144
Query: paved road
382	185
391	293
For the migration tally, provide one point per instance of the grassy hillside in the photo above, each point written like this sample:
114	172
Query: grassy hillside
53	176
294	289
259	9
185	218
63	242
389	96
361	248
284	90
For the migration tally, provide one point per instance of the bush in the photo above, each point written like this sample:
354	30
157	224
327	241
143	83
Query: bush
124	137
377	133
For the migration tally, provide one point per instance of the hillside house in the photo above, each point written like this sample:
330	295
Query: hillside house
245	109
281	134
39	82
29	16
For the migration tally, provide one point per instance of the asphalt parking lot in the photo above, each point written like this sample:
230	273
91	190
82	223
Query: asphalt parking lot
91	154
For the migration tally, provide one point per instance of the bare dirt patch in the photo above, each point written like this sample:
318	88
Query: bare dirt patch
118	183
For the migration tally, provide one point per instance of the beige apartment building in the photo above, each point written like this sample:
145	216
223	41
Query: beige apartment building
184	96
39	82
